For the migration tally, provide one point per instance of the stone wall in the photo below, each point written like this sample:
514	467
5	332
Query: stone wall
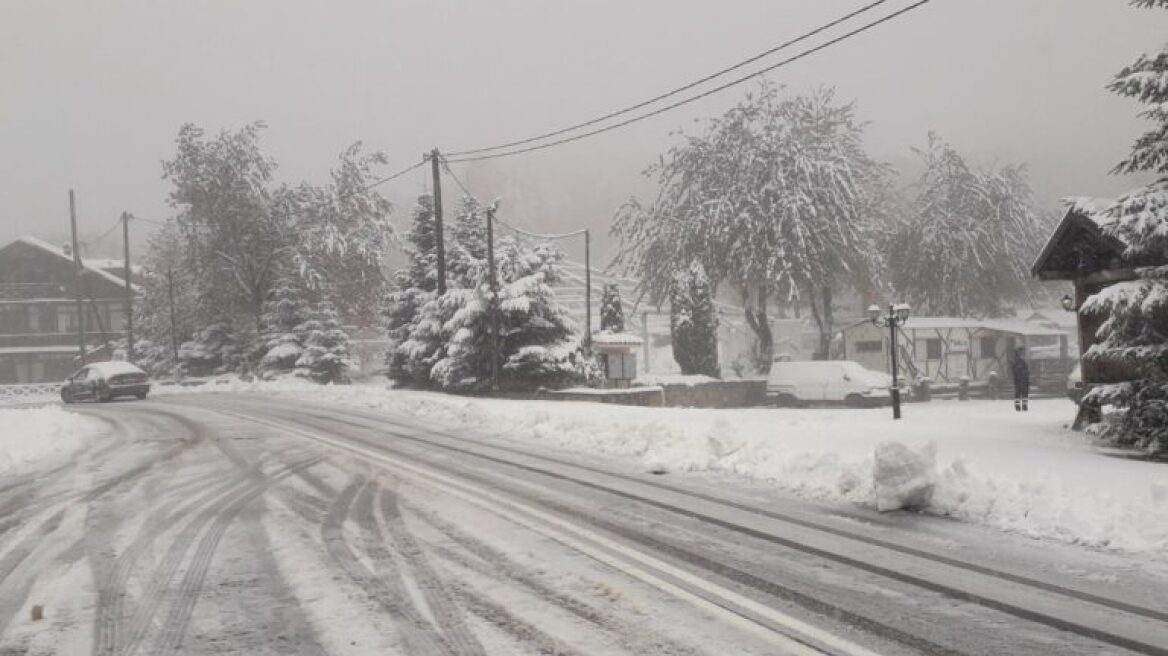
717	394
641	396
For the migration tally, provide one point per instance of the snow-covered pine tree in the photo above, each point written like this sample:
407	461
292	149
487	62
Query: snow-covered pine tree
693	322
214	350
413	289
282	336
325	356
612	314
1135	331
537	344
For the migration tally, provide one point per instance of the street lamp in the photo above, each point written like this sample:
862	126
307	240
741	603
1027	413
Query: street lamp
1068	303
897	316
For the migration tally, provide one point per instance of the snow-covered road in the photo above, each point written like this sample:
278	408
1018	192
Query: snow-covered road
263	524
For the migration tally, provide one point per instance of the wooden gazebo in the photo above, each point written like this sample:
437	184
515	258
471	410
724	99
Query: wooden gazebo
1081	252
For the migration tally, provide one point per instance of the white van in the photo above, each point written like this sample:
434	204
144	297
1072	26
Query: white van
820	381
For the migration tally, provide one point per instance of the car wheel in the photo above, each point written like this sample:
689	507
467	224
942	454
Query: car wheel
141	395
854	401
66	397
786	401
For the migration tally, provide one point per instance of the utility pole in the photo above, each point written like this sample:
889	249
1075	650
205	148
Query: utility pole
129	287
587	290
173	321
493	308
435	165
77	280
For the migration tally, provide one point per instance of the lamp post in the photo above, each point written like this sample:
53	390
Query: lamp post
897	316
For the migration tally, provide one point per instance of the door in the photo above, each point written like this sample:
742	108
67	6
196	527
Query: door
80	385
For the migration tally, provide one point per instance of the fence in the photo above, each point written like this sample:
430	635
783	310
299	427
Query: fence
28	393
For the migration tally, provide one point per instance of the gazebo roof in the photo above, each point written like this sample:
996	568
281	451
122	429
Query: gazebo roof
1079	247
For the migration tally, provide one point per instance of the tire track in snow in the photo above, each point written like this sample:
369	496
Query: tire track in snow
111	590
175	625
386	588
488	562
447	615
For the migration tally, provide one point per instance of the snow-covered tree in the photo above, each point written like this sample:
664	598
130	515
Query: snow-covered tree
236	235
612	314
412	288
325	356
775	198
445	341
693	322
283	334
538	345
215	349
1134	334
966	244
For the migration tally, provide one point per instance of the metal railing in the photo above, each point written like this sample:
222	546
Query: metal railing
13	394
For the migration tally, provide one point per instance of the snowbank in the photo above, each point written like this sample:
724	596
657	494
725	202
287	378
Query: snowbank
1022	472
35	436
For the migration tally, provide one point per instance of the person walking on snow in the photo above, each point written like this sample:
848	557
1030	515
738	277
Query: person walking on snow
1021	373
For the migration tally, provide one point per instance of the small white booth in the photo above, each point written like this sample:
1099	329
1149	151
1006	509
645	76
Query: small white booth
617	357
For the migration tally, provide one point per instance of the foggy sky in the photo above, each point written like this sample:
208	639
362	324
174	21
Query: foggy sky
92	93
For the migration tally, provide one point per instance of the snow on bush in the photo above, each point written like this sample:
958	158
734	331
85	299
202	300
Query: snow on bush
32	436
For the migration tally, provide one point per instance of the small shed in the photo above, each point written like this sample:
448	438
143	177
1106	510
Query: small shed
946	349
616	353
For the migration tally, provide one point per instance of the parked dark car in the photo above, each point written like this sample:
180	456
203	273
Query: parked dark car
104	381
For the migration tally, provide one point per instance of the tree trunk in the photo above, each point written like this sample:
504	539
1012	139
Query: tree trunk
756	318
825	325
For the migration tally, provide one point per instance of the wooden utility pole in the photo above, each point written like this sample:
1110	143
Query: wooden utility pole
587	290
77	280
493	307
173	321
129	287
439	237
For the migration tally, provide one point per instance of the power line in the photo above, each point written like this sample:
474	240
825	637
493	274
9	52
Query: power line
395	175
91	242
687	87
685	101
526	233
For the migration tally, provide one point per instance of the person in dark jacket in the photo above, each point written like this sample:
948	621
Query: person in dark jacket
1021	372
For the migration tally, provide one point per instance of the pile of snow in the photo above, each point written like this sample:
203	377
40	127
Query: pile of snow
903	477
33	437
978	461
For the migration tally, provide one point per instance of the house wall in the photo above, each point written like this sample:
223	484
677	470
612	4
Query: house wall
38	311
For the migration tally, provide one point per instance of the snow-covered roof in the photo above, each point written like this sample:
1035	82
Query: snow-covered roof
18	350
1016	327
115	367
616	339
89	266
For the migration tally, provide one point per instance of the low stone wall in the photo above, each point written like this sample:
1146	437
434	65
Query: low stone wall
717	394
641	396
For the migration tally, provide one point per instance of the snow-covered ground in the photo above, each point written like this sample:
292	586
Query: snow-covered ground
1022	472
31	437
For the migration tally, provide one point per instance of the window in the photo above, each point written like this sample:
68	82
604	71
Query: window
989	347
933	349
870	346
48	319
13	320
